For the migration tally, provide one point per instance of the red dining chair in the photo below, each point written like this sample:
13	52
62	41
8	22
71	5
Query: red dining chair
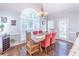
53	38
46	42
40	32
36	32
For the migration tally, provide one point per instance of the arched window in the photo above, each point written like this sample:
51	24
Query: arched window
29	21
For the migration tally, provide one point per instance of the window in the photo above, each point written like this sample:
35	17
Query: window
50	25
63	28
29	22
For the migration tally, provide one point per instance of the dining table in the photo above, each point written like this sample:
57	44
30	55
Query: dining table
38	38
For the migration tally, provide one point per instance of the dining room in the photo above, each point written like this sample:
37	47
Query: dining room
38	29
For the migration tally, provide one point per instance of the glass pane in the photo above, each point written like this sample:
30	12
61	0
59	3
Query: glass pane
50	26
63	28
29	22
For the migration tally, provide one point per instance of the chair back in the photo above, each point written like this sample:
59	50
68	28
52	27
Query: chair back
53	35
47	40
40	32
53	38
35	32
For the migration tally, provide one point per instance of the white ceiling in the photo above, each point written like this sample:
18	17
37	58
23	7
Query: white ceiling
61	7
18	7
49	7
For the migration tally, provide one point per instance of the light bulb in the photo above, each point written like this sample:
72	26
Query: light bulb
45	13
41	13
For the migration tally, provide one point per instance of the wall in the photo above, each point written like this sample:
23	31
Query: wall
8	28
11	16
73	18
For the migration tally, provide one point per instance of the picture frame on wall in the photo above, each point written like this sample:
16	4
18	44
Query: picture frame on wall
13	22
4	19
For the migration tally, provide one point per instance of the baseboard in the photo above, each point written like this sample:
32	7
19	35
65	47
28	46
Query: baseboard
70	41
66	40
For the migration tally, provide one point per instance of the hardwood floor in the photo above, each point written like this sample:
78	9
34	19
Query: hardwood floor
61	48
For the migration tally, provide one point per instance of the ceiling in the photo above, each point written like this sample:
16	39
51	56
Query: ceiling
61	7
51	8
18	7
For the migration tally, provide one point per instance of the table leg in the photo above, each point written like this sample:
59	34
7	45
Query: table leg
40	48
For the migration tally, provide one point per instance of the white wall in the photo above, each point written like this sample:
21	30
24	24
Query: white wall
11	16
8	28
73	22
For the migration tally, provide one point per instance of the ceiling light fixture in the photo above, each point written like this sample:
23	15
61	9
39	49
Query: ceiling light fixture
42	13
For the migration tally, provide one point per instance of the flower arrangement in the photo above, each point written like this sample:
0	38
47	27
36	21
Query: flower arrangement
13	40
1	27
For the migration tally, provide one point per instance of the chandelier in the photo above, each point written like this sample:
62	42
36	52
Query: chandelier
42	13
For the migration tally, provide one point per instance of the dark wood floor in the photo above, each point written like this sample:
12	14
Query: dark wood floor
61	48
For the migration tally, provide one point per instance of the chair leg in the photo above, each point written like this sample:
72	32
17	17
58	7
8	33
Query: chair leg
30	54
54	45
51	47
45	50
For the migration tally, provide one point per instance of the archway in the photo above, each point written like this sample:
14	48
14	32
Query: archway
29	21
